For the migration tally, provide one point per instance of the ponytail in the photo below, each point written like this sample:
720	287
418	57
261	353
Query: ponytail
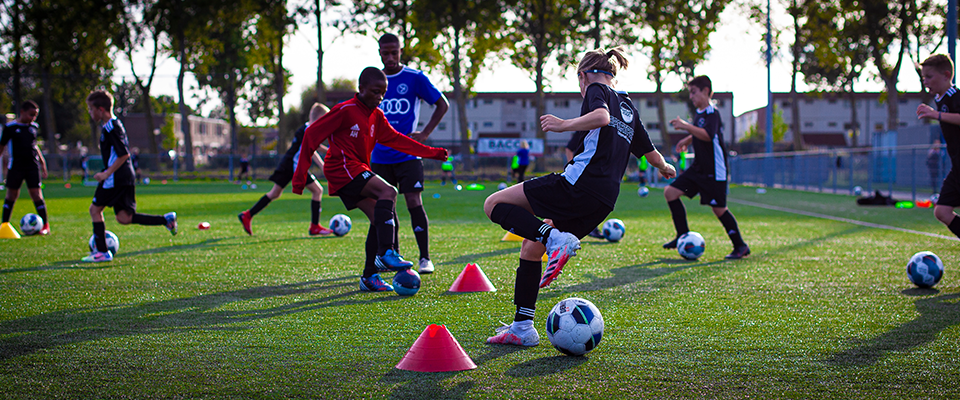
605	61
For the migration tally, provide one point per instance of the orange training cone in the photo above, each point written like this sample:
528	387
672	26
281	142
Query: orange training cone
436	351
511	237
7	231
472	279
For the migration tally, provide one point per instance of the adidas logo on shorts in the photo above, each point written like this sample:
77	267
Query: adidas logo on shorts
418	185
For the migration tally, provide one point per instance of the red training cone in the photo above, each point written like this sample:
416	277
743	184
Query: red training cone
472	279
436	351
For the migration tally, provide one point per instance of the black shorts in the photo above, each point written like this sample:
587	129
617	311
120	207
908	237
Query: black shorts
712	192
284	174
571	209
406	176
350	193
119	197
17	174
950	192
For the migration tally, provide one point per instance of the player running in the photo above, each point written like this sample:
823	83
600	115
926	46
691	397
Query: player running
26	162
284	173
575	201
937	73
353	127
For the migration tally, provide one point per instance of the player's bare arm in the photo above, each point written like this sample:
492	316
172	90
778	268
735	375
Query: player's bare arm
592	120
925	111
442	105
102	175
699	133
683	144
656	160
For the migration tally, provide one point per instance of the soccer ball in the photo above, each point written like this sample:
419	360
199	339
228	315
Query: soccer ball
643	191
857	190
613	230
113	243
406	282
574	326
925	269
31	224
934	198
502	185
691	245
340	224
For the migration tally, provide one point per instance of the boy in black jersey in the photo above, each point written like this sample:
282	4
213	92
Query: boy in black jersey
284	173
708	174
937	73
574	202
116	187
26	162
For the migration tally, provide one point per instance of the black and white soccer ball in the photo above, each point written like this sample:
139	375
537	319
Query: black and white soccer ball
925	269
340	224
691	245
31	224
113	243
613	230
574	326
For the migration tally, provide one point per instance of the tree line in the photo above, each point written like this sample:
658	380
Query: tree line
58	50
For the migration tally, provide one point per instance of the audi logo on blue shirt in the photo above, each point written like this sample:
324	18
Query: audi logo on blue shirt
395	106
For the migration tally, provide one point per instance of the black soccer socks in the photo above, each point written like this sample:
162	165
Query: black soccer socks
314	211
955	226
418	218
149	220
679	214
7	209
383	219
733	230
261	204
521	222
41	210
100	236
526	288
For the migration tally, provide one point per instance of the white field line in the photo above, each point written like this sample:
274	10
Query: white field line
840	219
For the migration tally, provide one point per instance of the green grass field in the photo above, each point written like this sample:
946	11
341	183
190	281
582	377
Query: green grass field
821	309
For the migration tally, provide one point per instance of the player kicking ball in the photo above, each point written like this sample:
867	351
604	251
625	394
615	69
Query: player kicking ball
580	198
284	173
353	128
708	174
26	162
116	187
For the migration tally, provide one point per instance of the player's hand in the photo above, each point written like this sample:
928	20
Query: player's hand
551	123
100	176
419	136
442	156
925	111
681	147
678	123
668	171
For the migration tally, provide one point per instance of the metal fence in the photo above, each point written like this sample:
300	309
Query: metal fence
902	172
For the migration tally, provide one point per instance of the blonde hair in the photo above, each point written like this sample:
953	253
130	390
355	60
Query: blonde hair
604	60
317	111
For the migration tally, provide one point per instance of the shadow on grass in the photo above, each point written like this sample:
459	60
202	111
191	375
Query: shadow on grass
209	243
210	312
472	258
936	314
545	366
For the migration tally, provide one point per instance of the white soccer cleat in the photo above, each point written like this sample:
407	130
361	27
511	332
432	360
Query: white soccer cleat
560	247
507	334
426	266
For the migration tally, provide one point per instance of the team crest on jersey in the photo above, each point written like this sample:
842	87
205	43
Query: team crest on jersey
626	112
701	122
944	108
354	130
403	88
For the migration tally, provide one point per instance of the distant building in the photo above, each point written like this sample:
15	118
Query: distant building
825	118
210	136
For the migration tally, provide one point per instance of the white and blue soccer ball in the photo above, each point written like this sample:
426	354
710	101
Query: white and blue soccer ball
691	245
574	326
934	198
857	190
502	185
31	224
613	230
340	224
643	191
113	243
925	269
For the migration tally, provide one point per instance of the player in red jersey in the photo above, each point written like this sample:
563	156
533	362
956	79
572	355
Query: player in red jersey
353	128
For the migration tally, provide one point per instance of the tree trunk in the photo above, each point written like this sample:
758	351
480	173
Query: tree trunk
232	108
667	144
321	89
794	98
278	79
596	23
49	123
184	115
461	99
148	112
18	54
854	120
893	103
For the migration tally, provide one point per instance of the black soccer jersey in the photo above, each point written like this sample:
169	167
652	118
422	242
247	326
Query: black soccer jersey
293	153
950	103
711	156
601	157
113	145
22	141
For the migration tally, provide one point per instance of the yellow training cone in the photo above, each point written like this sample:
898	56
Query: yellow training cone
7	231
511	237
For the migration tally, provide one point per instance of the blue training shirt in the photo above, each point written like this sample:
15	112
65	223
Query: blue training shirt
401	106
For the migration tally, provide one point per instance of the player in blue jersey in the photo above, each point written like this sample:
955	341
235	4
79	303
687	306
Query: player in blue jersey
116	188
401	105
708	174
26	162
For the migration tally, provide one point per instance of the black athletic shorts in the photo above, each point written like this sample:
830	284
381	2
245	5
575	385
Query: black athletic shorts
406	176
571	209
119	197
350	193
712	192
950	192
284	173
17	174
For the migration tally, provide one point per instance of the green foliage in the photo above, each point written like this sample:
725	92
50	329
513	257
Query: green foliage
780	128
168	138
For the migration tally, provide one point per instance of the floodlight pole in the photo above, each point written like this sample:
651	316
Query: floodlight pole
769	121
952	32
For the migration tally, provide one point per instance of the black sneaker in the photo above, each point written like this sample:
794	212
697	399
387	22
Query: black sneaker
671	244
738	253
595	233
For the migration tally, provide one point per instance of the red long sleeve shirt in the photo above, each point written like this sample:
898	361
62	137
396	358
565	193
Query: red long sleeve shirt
353	130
